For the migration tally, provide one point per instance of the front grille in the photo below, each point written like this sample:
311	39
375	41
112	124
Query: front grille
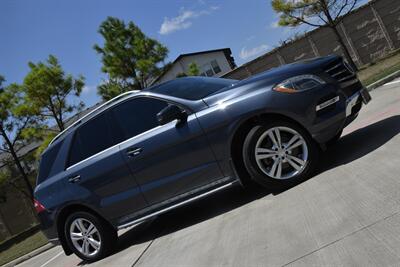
341	72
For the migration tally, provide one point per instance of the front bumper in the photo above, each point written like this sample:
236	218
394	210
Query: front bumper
336	112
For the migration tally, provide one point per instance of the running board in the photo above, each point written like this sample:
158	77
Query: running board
174	206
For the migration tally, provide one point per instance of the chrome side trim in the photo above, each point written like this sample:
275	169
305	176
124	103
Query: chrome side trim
116	145
174	206
102	105
191	116
327	103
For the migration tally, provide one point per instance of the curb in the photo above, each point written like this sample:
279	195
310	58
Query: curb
384	80
29	255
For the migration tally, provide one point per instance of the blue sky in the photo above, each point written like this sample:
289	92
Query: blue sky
31	30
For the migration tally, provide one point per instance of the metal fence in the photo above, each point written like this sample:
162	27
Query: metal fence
370	32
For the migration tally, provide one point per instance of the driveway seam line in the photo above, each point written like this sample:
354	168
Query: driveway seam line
141	254
343	237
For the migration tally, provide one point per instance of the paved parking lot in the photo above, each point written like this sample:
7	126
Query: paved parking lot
348	214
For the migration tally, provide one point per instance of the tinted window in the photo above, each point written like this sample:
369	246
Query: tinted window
192	88
137	115
47	161
90	139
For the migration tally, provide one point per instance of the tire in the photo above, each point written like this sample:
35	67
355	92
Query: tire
261	167
105	236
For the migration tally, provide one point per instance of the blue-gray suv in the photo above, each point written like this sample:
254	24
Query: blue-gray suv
144	153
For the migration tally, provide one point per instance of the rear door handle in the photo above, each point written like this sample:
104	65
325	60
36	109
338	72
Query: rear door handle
133	152
74	179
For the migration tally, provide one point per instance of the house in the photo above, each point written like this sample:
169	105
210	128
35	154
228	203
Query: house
212	63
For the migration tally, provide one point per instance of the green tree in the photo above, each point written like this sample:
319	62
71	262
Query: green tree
110	89
15	130
316	13
47	91
193	71
129	57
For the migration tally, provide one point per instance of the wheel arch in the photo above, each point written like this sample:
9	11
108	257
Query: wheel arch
63	215
240	134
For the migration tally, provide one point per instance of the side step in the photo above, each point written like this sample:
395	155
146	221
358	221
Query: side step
175	206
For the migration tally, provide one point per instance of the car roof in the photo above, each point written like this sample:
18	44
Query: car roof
153	89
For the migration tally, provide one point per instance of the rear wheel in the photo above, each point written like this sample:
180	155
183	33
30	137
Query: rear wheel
89	237
279	153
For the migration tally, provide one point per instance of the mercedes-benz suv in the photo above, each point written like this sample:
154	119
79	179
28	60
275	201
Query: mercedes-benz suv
144	153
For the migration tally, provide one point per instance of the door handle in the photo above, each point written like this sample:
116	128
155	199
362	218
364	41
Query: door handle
134	151
74	179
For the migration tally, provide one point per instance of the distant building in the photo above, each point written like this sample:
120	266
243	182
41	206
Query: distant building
212	63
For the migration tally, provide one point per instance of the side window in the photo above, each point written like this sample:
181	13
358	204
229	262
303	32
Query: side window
90	139
47	162
137	115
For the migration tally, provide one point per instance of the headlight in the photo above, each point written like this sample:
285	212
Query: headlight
299	83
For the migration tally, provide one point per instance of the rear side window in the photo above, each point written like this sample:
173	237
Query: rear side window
90	139
137	115
47	162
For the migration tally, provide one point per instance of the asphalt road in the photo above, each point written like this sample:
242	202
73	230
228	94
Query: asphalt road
348	214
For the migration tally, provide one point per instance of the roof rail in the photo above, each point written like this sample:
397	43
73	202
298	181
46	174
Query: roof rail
99	107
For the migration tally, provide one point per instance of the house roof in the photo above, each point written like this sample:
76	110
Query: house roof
227	51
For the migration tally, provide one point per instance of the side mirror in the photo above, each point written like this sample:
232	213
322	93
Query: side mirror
170	113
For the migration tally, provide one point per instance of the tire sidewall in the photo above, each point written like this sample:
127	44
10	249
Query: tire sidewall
254	170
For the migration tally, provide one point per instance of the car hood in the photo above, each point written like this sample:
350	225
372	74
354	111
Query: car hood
268	79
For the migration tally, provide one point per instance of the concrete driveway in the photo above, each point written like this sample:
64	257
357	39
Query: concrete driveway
348	214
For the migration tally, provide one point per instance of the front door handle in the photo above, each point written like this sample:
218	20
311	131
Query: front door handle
74	179
133	152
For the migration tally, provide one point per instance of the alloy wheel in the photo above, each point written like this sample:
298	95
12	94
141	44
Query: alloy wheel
281	153
85	237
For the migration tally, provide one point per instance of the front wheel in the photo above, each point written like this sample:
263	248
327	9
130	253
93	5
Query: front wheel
279	154
89	237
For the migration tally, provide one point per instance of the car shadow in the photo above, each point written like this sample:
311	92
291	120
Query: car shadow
194	213
359	143
350	147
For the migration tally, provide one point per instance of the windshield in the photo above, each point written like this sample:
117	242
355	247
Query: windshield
192	88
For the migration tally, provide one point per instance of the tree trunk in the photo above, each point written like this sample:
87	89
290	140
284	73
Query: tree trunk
344	47
332	24
60	123
17	162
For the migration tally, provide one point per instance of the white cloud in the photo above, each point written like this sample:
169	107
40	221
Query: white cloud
87	89
183	20
249	53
